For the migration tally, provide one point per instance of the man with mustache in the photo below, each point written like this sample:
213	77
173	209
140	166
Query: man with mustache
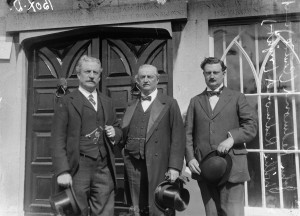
83	134
220	119
154	142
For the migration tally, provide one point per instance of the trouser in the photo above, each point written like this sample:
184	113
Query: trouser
227	200
94	187
138	184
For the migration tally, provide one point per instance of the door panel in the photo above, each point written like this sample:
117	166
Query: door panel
47	64
55	57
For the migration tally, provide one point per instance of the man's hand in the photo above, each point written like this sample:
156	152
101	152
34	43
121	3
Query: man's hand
225	146
194	166
64	180
110	131
172	174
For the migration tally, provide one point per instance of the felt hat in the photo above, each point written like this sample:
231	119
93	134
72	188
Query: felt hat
215	168
65	202
171	196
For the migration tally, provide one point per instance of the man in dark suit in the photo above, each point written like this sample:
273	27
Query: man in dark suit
220	119
83	134
154	142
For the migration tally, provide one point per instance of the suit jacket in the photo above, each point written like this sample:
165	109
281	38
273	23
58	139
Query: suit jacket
66	131
205	129
165	141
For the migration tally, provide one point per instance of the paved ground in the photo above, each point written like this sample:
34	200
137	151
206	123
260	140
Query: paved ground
195	207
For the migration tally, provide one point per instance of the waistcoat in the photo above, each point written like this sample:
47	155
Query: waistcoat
138	130
92	120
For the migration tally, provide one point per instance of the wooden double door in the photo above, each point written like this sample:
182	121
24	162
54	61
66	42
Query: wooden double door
121	51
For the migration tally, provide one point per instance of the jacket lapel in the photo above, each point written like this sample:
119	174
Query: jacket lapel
129	113
102	102
204	102
158	110
225	97
77	100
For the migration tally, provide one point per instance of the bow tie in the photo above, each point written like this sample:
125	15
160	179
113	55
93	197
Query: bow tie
143	98
212	93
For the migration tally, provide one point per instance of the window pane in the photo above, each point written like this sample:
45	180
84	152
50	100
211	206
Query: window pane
289	182
297	117
268	122
280	68
237	63
254	185
271	180
286	122
252	100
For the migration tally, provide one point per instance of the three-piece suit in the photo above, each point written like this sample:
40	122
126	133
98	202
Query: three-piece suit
154	140
76	148
207	128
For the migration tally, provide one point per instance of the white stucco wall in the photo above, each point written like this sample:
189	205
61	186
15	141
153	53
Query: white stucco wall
12	133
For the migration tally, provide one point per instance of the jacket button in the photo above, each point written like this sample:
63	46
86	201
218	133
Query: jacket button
156	154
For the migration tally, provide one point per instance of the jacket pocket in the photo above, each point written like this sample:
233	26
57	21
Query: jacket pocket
132	148
242	151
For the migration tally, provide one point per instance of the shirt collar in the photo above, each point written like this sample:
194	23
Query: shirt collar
87	93
217	89
153	94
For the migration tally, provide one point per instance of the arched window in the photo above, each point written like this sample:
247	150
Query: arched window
263	62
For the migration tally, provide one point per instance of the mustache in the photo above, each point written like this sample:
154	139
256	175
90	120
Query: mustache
211	80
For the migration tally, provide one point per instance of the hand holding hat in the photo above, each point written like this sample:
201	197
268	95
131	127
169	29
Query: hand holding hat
64	180
225	146
194	166
172	175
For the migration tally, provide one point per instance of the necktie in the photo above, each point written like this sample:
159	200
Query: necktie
212	93
91	99
146	98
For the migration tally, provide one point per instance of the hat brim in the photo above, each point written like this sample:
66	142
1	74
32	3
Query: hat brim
158	196
74	202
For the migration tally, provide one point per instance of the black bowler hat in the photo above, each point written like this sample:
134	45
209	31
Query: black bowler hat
65	202
171	196
215	168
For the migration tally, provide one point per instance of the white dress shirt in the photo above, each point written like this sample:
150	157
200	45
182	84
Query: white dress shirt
87	93
146	103
213	100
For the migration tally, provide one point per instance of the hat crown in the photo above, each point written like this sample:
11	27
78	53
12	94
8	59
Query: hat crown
65	201
215	168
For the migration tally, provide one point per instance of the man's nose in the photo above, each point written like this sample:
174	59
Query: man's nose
211	76
91	75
